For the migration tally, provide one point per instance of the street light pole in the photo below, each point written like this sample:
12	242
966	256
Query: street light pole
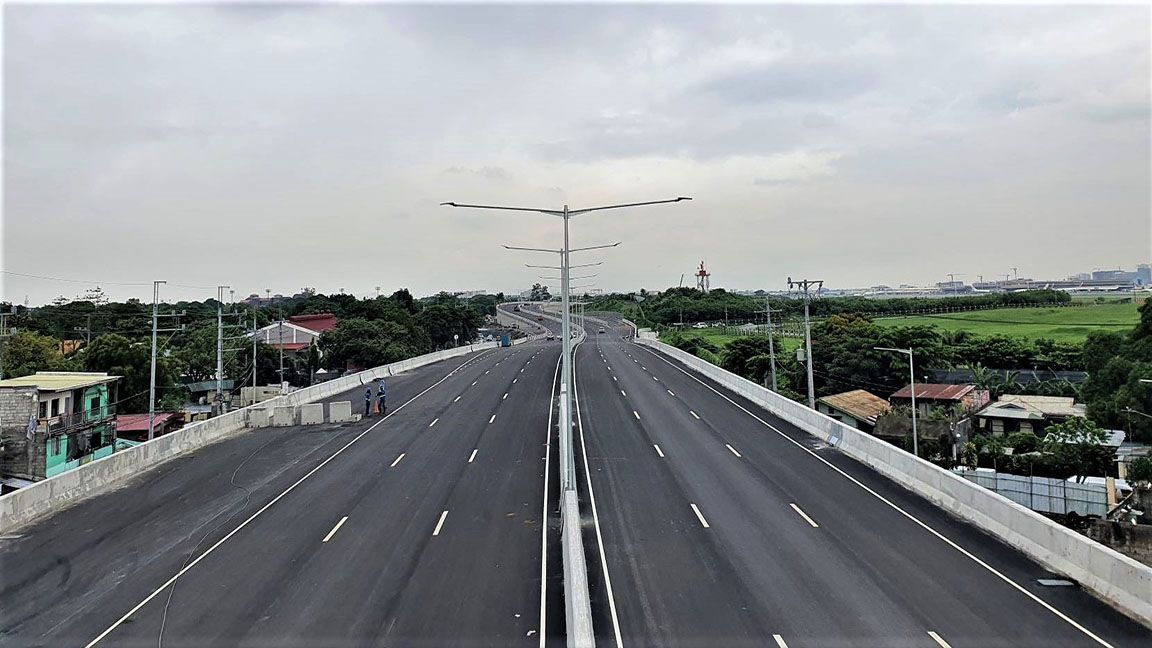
912	377
568	475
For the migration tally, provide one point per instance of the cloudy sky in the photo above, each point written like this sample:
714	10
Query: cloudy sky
287	146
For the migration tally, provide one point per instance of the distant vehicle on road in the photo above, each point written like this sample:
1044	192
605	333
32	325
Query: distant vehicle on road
550	337
601	329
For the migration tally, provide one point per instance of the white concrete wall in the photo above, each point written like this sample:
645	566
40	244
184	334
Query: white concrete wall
1121	581
340	411
43	498
312	414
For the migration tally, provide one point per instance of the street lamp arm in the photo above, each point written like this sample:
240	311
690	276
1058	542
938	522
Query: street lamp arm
904	351
551	212
575	212
594	247
528	249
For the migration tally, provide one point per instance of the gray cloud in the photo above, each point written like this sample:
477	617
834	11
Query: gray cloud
282	145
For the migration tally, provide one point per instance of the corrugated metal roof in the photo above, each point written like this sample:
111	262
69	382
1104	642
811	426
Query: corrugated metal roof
318	322
59	380
935	391
139	422
859	404
1044	405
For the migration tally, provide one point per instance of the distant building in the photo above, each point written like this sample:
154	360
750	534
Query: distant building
54	421
929	395
297	332
1019	413
134	427
857	408
1144	274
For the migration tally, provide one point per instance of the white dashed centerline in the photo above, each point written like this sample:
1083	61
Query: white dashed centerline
703	522
805	516
492	419
433	422
636	414
505	396
337	528
658	450
470	459
397	460
780	641
694	414
440	523
622	393
455	399
670	393
732	449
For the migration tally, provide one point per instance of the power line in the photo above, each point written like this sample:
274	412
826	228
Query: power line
98	282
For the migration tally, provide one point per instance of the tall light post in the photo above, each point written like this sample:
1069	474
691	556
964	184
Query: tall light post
569	480
912	376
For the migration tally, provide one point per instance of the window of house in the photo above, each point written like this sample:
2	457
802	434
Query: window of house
93	405
43	409
55	407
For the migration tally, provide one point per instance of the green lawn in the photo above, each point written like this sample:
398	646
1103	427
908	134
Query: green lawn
1062	324
721	339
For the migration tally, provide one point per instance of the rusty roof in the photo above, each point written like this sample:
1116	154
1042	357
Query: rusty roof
859	404
936	391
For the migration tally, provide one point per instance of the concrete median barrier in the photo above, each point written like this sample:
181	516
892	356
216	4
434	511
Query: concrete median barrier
259	417
340	412
311	414
284	416
1124	583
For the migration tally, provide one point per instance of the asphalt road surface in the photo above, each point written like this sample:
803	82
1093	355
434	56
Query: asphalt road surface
720	525
424	528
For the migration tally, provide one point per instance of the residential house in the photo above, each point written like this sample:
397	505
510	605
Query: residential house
54	421
1018	413
297	332
134	427
930	395
857	408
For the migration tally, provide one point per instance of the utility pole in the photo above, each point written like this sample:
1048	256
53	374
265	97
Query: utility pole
805	285
771	343
152	382
5	333
254	335
220	349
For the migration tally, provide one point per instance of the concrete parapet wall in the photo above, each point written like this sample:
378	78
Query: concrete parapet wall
312	414
1124	583
45	497
340	412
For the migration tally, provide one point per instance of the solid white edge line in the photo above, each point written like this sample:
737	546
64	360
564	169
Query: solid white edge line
397	460
433	422
897	508
658	450
267	506
440	524
335	529
544	513
595	513
474	451
938	639
804	515
733	450
699	515
779	641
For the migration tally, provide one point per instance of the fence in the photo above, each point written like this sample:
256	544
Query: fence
1043	494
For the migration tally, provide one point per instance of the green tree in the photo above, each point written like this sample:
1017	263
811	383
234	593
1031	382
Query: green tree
364	343
119	356
26	353
539	293
1076	447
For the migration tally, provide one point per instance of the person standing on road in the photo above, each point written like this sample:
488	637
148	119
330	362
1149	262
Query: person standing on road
381	397
368	403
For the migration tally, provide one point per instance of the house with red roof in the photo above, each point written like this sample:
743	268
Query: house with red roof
929	395
297	332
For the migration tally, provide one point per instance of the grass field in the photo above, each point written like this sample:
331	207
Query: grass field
721	339
1061	324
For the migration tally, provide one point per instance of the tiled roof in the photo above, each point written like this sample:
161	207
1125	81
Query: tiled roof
859	404
319	322
934	391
